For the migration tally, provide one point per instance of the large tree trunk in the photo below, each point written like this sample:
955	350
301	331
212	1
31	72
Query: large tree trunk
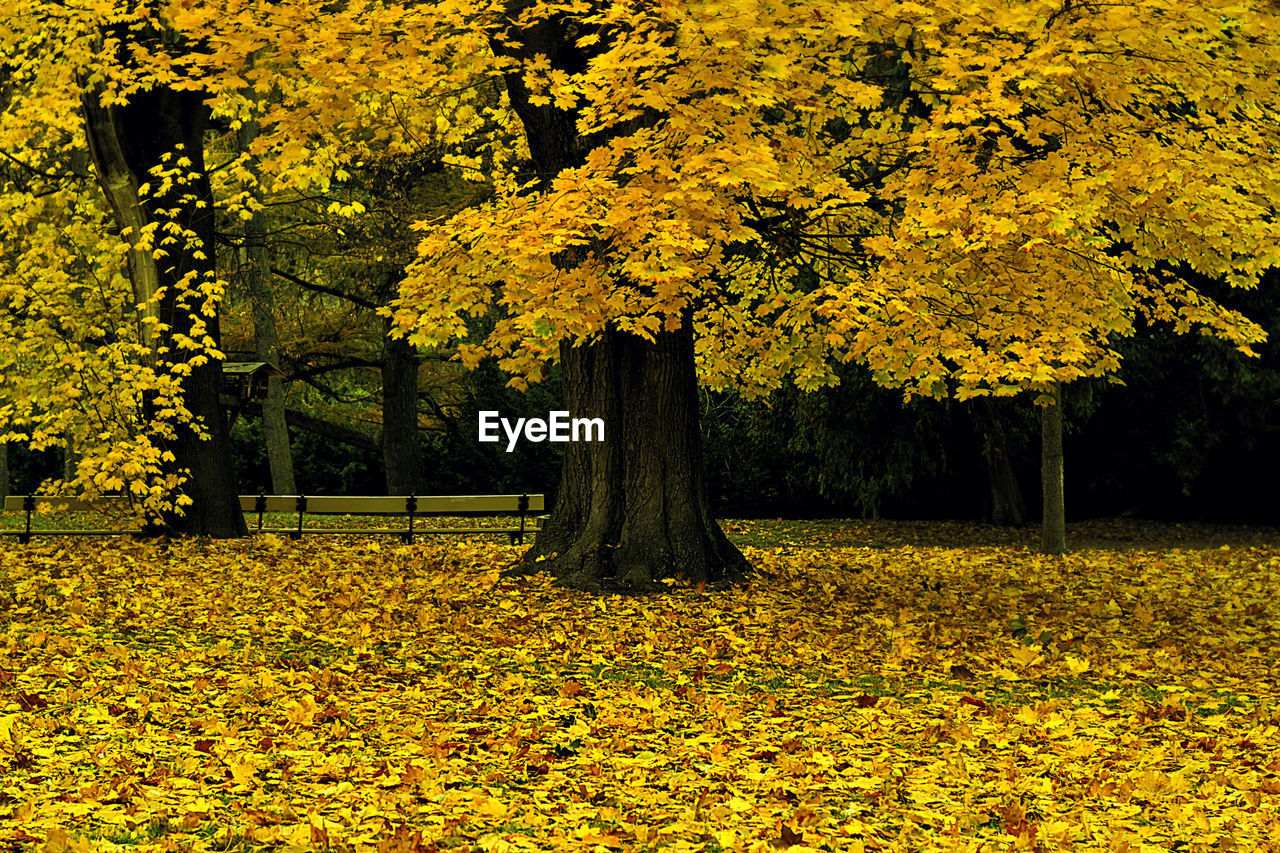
1053	525
266	342
633	509
126	143
400	440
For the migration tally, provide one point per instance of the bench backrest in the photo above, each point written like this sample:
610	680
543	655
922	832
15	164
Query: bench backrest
390	505
329	504
15	503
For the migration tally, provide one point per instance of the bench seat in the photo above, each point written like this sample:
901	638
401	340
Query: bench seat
411	507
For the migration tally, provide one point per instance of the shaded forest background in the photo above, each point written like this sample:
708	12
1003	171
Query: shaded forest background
1192	433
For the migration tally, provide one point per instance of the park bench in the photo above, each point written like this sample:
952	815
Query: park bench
413	508
28	503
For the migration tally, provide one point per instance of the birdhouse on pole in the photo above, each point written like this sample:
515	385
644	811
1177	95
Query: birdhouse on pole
243	382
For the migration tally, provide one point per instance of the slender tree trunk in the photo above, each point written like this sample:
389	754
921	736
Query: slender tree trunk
70	460
126	143
1053	525
1005	504
632	509
275	428
266	343
4	470
400	440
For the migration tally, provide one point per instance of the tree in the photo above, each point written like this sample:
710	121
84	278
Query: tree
130	142
165	428
256	272
340	335
350	266
633	508
972	199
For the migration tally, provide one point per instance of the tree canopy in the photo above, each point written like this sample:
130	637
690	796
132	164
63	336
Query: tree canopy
971	196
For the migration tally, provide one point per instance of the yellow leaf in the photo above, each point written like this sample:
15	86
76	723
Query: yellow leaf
726	838
488	806
7	722
242	772
1077	665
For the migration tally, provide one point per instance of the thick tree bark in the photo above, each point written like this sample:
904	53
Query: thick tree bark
255	268
126	143
1053	525
1005	505
632	509
400	441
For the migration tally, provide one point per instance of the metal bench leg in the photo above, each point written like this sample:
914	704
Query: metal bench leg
524	510
410	507
302	508
28	505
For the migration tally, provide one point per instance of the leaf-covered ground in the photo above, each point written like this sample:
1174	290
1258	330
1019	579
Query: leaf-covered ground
361	694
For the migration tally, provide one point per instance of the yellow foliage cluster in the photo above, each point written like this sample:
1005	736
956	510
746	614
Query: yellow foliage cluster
970	197
82	365
361	696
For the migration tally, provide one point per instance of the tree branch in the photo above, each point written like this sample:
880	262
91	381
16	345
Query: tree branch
320	288
317	370
319	426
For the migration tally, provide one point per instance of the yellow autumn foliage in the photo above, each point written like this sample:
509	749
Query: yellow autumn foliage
365	696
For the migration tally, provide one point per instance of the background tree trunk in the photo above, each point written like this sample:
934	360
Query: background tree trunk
70	461
255	268
1005	505
275	428
400	441
633	509
4	470
126	142
1053	524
